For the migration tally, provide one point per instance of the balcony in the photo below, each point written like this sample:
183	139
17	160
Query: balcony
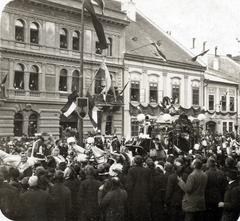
110	100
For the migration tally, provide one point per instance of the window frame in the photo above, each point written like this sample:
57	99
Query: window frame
19	30
63	80
195	96
135	89
76	40
134	127
153	90
34	33
212	101
64	38
176	92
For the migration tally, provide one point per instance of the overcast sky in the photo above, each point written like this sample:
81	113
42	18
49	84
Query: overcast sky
214	21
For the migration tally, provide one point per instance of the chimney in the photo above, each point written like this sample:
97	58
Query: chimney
129	7
204	45
216	51
193	42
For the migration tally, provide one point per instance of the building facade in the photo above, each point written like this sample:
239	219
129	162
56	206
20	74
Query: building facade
40	54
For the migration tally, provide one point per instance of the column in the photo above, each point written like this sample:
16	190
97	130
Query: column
57	68
42	78
164	84
187	92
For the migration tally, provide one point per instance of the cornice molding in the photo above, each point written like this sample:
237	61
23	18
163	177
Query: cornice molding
54	57
69	9
168	63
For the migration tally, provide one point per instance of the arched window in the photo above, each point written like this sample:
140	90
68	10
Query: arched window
32	125
109	50
19	77
33	78
34	30
63	38
63	80
75	80
18	124
19	30
75	40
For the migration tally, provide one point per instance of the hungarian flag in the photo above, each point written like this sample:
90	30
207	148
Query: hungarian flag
101	4
92	113
71	105
203	53
103	71
156	45
2	87
96	24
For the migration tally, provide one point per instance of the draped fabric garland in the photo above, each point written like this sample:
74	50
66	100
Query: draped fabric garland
157	110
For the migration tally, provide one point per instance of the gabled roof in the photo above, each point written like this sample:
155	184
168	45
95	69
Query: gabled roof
218	77
143	32
228	68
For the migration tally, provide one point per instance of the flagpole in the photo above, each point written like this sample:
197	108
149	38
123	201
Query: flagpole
80	120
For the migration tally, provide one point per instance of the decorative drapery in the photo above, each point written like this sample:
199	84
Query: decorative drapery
157	110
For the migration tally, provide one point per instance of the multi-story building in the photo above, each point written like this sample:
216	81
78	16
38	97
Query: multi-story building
154	74
40	54
221	90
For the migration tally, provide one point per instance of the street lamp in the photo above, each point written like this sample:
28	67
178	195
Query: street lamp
167	118
141	118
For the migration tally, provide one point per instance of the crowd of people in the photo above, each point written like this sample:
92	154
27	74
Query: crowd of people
203	184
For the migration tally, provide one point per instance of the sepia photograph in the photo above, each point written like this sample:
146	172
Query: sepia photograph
119	110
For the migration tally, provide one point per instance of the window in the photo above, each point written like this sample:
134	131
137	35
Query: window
75	81
109	50
176	93
108	129
34	29
32	125
230	126
33	78
224	127
98	49
153	92
211	102
231	108
18	124
63	80
223	103
195	94
75	40
135	91
134	128
19	30
63	38
19	77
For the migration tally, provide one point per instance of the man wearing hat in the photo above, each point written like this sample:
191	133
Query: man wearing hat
113	204
37	204
62	198
214	192
88	197
231	204
139	188
193	203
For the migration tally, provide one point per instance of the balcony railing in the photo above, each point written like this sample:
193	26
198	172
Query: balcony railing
110	100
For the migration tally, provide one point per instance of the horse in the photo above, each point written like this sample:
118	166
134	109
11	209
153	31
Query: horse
16	161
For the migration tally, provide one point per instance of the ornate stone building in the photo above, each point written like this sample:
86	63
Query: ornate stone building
40	54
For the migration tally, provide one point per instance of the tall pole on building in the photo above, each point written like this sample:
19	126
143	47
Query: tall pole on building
80	125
